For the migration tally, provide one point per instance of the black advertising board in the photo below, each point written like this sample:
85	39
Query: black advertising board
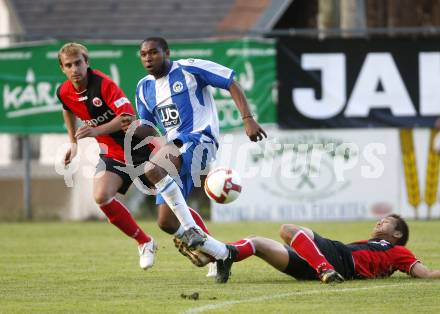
357	83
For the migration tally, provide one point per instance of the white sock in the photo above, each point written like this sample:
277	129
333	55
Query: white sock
172	195
179	232
211	246
214	248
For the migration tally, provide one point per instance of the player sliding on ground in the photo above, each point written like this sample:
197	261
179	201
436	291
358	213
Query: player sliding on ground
176	96
308	256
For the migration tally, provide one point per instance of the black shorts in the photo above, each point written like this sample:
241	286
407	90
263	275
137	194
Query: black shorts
111	165
335	252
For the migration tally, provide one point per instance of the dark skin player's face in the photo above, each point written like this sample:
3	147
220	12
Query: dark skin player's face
154	59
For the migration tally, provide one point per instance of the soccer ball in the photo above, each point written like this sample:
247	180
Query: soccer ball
223	185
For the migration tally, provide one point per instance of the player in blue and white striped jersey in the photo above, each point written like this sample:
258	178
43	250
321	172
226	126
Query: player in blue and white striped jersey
176	96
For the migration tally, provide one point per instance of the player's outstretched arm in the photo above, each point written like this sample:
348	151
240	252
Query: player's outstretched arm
253	130
421	271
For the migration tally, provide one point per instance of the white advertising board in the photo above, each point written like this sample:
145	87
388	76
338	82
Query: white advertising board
312	175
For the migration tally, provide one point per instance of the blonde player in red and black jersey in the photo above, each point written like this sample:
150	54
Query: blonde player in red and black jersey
308	256
103	107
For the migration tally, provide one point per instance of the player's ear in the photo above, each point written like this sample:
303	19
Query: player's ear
397	234
167	53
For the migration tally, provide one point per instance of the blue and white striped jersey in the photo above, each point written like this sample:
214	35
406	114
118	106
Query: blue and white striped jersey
181	102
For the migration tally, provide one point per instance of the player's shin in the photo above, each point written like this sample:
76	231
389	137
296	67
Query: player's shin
308	251
214	248
245	249
119	216
172	195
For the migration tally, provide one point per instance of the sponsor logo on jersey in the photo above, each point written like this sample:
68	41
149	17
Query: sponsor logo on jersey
121	101
169	116
177	86
97	102
107	116
84	98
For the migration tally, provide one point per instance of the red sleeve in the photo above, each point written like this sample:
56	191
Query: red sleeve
404	259
115	98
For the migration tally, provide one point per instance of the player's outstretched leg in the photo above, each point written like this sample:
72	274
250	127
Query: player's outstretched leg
194	237
196	257
200	257
330	276
245	249
224	265
171	193
306	248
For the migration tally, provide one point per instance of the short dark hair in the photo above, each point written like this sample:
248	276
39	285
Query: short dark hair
401	226
160	40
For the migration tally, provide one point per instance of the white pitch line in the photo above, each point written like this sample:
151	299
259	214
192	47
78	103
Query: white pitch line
210	307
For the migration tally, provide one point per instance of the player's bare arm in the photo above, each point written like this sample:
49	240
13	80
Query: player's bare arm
70	122
253	130
107	128
421	271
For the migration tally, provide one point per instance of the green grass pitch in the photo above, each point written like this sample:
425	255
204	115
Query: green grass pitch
90	267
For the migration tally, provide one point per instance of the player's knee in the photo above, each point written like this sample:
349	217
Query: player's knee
255	240
288	231
167	226
153	172
102	198
283	232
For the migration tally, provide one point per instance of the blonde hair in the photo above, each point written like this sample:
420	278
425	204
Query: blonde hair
73	49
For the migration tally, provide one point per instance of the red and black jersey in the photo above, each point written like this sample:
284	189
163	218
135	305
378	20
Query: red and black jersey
377	258
101	102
